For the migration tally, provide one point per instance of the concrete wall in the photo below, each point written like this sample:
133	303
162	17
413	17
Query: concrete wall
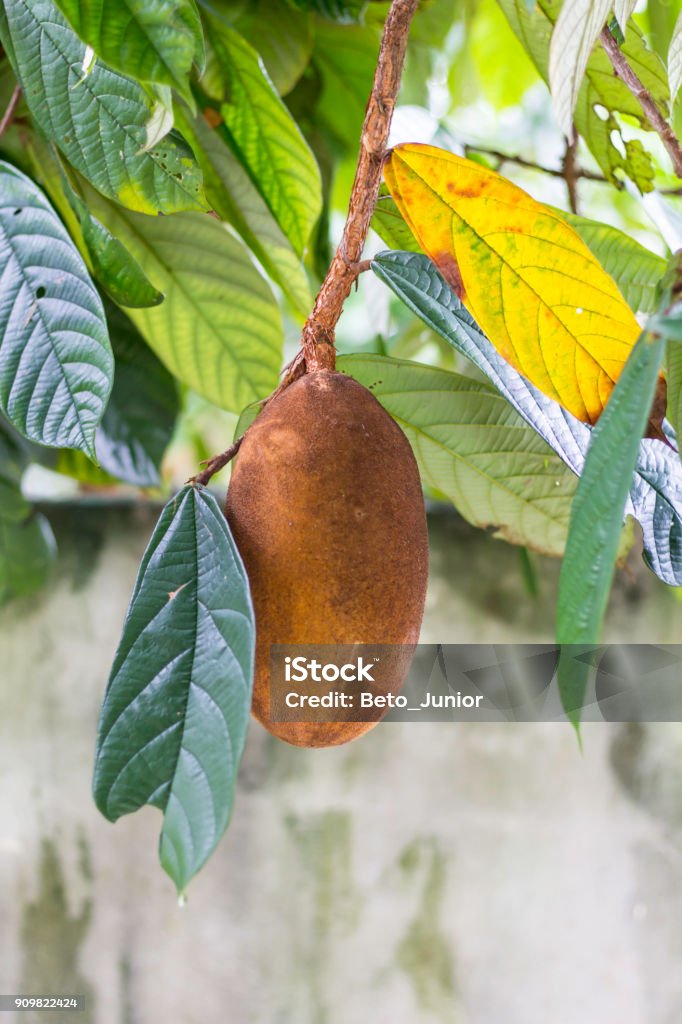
482	874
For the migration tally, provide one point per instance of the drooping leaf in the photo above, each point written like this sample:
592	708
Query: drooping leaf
532	285
138	422
56	365
266	138
235	199
656	486
601	93
390	225
219	329
474	448
150	40
636	270
27	544
117	271
675	60
98	120
597	514
177	706
576	31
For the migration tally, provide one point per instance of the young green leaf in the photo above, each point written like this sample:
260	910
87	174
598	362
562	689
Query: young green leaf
474	448
98	120
656	487
266	138
219	329
56	366
176	710
150	40
235	199
576	31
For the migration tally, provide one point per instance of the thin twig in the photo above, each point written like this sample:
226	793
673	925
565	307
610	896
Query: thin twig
645	99
531	165
217	463
317	339
570	169
11	110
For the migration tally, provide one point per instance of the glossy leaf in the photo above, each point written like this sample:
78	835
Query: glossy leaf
219	329
473	447
265	137
576	31
235	199
177	707
656	486
56	365
532	285
601	93
150	40
98	120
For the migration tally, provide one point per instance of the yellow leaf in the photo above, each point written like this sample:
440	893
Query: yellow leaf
527	278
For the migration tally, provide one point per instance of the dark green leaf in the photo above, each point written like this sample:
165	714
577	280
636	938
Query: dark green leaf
176	710
598	510
56	364
140	417
286	47
97	119
27	554
656	486
338	10
150	40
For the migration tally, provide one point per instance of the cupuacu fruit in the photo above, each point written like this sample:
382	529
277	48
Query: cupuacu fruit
326	508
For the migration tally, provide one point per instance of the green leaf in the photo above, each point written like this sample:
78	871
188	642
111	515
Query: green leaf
286	47
674	378
389	224
598	511
219	329
675	60
177	706
636	270
235	199
150	40
576	31
56	365
98	120
474	448
344	11
346	61
266	138
120	275
27	554
601	90
140	417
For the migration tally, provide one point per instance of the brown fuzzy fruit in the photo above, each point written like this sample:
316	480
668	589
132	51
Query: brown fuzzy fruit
326	507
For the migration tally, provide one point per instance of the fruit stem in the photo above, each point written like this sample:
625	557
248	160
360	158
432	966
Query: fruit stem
317	339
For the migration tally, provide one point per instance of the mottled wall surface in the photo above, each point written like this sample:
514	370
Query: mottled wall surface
480	874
